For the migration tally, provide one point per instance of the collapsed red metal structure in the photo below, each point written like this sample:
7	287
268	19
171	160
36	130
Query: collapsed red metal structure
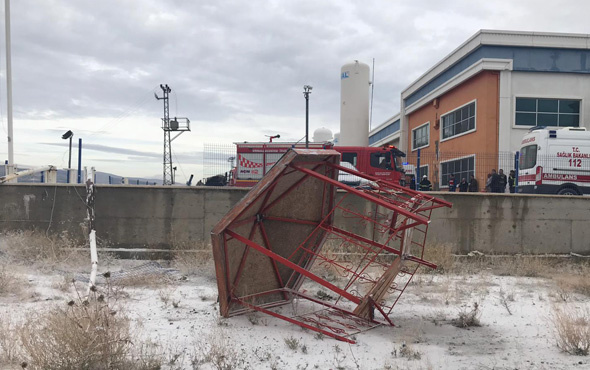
280	243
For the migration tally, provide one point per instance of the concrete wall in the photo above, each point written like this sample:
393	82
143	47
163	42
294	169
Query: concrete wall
498	223
126	216
158	217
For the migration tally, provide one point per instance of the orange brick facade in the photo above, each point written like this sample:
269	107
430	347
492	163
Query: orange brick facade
484	90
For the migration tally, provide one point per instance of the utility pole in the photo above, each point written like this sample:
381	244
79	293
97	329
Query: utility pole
180	124
10	133
306	92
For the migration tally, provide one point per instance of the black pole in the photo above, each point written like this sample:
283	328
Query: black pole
79	161
306	121
306	92
70	160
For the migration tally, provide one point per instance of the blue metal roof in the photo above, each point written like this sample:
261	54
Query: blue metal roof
390	129
528	59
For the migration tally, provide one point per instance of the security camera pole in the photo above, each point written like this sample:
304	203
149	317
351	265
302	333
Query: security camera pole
306	92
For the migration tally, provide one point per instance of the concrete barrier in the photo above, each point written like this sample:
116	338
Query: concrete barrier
163	217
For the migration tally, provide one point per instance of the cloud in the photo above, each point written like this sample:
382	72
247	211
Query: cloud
236	69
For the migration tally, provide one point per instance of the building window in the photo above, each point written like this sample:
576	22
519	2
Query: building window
423	171
461	168
547	112
421	136
384	132
459	121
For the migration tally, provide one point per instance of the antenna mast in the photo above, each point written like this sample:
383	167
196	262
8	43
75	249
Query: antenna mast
180	125
372	90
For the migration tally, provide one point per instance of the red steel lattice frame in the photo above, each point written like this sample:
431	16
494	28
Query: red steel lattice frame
393	219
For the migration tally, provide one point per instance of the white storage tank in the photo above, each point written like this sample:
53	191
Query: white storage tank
321	135
354	104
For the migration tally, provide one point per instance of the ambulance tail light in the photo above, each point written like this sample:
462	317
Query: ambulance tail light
539	176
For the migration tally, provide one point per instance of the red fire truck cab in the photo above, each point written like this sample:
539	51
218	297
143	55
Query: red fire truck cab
254	160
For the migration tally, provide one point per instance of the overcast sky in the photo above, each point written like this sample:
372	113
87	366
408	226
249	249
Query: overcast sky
236	68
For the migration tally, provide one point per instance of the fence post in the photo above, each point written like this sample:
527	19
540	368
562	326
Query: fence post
516	165
417	179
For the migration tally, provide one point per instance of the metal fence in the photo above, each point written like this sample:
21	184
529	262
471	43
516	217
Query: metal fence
439	166
218	159
560	167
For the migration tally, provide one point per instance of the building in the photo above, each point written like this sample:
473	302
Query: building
468	113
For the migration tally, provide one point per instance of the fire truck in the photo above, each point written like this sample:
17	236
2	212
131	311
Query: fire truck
555	161
254	160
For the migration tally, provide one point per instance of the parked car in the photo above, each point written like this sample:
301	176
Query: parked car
350	179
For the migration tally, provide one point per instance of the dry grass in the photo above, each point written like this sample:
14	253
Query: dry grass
31	245
573	283
217	351
194	259
33	248
9	283
92	334
468	317
79	335
9	344
406	351
572	330
442	256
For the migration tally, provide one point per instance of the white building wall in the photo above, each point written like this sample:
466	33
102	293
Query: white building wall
539	85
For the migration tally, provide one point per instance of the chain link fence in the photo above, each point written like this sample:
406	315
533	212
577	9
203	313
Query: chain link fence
218	160
439	166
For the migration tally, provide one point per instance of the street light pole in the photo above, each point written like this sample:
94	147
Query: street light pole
69	135
306	92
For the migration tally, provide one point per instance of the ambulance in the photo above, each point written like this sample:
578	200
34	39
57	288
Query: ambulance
555	161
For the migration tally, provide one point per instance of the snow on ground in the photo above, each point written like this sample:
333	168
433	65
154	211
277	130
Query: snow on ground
516	329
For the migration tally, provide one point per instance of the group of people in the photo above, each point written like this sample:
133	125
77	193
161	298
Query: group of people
496	183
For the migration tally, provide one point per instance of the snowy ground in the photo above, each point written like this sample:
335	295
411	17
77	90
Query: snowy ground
181	317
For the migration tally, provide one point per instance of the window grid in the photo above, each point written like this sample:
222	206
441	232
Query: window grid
459	121
424	171
544	116
461	168
421	136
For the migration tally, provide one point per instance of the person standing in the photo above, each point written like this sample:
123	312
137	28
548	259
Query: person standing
503	181
425	184
494	182
473	185
512	181
463	186
452	185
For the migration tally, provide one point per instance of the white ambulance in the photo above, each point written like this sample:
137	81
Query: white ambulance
555	161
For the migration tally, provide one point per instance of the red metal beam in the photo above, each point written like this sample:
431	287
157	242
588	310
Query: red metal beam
390	184
293	321
380	246
362	194
295	267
